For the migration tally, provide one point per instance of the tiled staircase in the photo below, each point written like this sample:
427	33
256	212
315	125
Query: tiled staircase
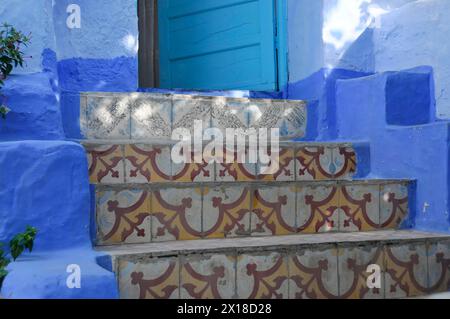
227	231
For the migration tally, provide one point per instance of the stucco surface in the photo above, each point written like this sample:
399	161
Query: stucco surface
35	112
420	151
45	184
371	36
417	34
34	18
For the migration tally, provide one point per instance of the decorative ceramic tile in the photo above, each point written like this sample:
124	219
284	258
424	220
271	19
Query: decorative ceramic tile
354	277
314	163
439	267
280	168
317	207
156	278
243	169
344	162
313	274
393	205
226	211
146	163
274	211
109	117
83	116
406	270
191	171
359	207
106	164
208	277
230	113
262	276
151	117
187	109
176	214
123	217
288	116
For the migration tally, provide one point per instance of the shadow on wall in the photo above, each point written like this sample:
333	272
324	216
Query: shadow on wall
395	112
319	89
34	103
392	119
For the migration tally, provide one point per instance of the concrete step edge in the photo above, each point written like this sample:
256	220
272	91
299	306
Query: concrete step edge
184	95
174	184
173	142
255	244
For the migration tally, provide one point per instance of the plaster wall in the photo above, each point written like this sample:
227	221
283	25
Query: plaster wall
371	36
101	55
43	180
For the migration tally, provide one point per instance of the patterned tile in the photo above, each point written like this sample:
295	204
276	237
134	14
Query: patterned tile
288	116
313	274
406	270
344	162
241	170
109	117
192	171
157	278
354	277
439	267
208	277
285	161
317	207
187	109
226	212
146	163
230	113
123	217
176	214
314	163
262	276
274	211
151	117
83	115
106	164
359	207
393	205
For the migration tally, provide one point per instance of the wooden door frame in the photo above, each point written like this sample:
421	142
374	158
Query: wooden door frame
281	45
148	55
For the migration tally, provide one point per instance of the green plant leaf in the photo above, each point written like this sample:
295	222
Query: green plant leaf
22	241
3	273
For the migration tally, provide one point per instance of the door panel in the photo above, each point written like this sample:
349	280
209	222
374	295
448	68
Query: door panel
217	44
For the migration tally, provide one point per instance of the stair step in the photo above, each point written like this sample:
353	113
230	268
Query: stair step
411	263
143	162
153	115
139	213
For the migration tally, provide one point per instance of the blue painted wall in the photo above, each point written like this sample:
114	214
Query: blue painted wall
31	93
418	150
336	48
100	56
45	178
44	183
371	36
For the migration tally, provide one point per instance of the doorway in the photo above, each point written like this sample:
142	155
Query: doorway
213	44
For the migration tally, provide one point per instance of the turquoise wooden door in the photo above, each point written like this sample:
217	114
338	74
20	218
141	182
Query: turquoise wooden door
217	44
